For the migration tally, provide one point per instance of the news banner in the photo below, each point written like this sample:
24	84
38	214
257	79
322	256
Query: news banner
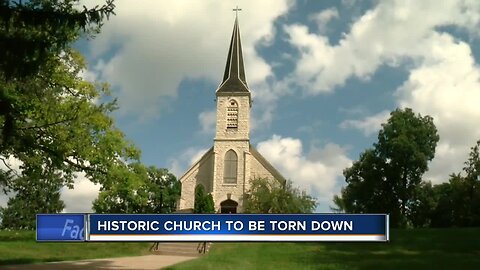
212	227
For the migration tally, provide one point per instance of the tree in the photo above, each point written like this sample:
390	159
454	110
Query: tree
387	177
48	113
367	189
459	199
63	127
443	213
38	193
138	189
163	191
422	206
472	181
33	31
203	202
267	196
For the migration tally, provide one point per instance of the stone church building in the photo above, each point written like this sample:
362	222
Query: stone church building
226	169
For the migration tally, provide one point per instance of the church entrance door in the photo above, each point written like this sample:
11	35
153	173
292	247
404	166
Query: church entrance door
228	207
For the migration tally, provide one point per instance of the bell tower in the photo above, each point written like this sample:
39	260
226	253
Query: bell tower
226	169
232	142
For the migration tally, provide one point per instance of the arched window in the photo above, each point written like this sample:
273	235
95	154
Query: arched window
232	114
230	171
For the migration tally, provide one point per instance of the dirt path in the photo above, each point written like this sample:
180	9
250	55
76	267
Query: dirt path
138	262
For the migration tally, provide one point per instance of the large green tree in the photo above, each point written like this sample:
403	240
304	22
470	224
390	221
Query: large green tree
34	35
266	196
48	113
50	117
62	123
139	189
387	177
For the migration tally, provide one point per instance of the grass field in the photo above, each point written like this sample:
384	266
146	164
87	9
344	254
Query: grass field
408	249
19	247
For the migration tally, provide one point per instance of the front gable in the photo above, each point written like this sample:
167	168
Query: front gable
261	168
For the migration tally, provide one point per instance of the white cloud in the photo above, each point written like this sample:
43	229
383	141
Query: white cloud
11	163
76	200
80	199
4	199
388	34
447	87
7	164
444	80
317	172
324	17
159	43
369	125
180	164
88	75
207	121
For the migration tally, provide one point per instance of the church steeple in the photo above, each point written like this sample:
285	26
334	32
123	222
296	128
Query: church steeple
226	169
234	77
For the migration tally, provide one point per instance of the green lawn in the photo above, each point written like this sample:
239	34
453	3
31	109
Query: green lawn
19	247
408	249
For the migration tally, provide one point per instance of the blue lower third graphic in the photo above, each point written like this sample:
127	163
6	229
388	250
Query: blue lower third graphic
61	227
238	227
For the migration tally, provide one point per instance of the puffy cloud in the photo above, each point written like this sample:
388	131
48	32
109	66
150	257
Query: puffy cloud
369	125
387	34
7	164
207	121
447	87
324	17
80	198
444	80
10	163
316	172
180	164
76	200
4	199
147	50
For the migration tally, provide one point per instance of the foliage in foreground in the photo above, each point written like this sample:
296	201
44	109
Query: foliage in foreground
50	117
53	123
267	196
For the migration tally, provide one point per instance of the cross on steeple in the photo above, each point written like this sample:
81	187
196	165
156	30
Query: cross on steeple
237	10
234	76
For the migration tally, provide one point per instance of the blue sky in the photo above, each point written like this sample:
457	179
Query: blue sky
324	76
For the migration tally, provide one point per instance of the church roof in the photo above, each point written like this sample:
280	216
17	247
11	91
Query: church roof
234	77
201	160
278	176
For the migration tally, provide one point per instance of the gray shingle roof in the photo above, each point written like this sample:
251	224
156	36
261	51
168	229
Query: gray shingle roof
234	77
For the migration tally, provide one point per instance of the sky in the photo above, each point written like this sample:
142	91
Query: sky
324	76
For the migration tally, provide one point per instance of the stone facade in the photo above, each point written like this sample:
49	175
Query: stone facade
243	130
208	171
201	173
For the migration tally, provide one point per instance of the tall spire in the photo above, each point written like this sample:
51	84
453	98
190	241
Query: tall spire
234	77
